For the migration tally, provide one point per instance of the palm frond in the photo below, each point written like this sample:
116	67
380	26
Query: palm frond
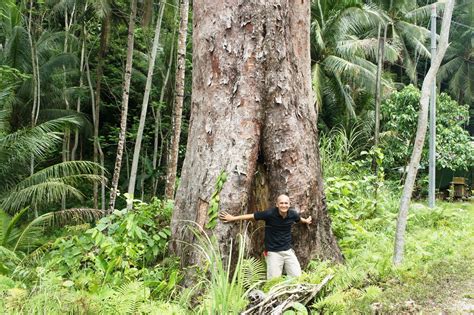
424	12
52	191
66	172
7	226
17	148
354	20
252	272
57	63
364	75
366	47
415	36
8	255
391	52
348	101
409	64
57	218
317	35
17	50
130	294
446	70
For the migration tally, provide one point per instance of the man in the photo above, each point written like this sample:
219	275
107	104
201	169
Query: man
278	223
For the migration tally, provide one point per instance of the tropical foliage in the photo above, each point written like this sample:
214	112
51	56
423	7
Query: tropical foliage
61	75
453	144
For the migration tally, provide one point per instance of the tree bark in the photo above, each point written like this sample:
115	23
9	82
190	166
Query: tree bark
420	135
104	36
81	84
124	114
146	97
252	116
158	132
178	105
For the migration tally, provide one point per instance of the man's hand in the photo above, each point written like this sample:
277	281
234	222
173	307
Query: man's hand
226	217
307	221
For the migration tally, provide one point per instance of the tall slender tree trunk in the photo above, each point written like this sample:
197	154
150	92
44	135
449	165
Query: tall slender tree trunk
81	84
420	135
98	154
378	98
66	154
378	84
178	104
36	84
124	113
158	132
253	117
146	97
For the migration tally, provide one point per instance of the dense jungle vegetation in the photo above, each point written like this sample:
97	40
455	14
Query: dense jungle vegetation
68	246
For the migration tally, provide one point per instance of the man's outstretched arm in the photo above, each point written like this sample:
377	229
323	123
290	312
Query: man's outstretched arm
227	217
307	220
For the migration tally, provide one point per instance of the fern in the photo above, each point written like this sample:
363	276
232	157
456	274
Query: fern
252	272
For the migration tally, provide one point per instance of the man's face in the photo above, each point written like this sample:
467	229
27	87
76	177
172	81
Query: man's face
283	203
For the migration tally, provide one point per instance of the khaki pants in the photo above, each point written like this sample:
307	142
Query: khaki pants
276	261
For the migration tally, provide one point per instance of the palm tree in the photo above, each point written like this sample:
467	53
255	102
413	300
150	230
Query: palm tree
456	71
48	185
344	43
406	32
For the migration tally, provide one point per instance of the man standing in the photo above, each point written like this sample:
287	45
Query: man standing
278	223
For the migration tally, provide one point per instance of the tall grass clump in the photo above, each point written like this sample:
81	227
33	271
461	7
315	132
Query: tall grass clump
340	147
225	280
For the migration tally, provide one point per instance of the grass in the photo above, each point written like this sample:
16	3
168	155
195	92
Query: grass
439	259
438	262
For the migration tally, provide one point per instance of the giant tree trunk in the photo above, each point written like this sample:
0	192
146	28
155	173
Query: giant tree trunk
252	117
420	135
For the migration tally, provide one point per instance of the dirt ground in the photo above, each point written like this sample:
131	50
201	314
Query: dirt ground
460	299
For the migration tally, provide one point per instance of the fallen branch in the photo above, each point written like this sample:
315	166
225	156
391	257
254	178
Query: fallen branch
272	303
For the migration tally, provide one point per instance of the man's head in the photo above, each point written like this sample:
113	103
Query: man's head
283	203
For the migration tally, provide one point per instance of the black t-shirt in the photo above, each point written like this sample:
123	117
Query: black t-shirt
277	229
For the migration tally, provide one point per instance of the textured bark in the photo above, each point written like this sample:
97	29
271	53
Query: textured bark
124	113
420	135
178	104
252	116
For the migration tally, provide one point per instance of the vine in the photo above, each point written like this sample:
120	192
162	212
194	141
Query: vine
214	203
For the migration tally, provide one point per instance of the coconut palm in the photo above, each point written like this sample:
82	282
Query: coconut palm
47	186
344	45
457	70
407	32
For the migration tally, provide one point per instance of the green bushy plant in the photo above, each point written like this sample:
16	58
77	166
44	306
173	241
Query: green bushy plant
118	249
400	115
